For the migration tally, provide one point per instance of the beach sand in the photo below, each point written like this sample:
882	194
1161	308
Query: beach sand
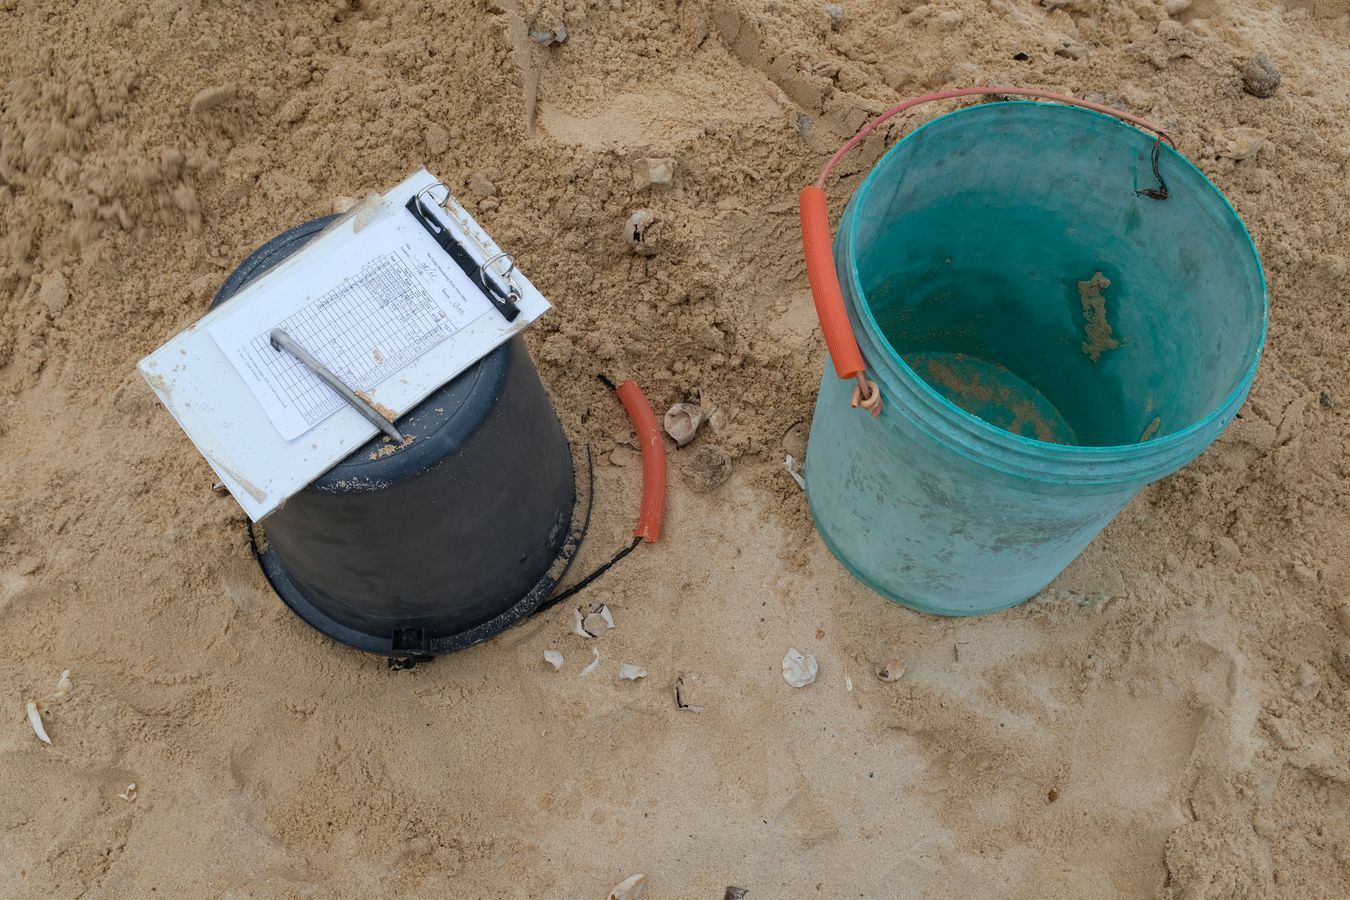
1168	719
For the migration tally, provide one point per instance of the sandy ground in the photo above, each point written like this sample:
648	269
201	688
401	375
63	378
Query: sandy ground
1168	719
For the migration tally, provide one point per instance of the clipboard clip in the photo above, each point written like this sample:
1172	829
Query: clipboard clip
504	299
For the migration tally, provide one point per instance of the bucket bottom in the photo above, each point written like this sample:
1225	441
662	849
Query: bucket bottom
994	394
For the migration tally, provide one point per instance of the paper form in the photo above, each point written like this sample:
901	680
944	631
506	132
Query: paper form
365	315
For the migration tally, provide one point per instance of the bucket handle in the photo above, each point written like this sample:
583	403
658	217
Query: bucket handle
820	271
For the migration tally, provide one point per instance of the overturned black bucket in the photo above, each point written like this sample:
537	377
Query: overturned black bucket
445	541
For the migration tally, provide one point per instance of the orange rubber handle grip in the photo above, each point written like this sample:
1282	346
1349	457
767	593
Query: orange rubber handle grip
839	339
653	460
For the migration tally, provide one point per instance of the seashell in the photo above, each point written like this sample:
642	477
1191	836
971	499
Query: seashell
635	229
799	670
35	720
593	623
1241	143
595	662
630	672
554	659
633	887
891	669
685	694
682	422
63	687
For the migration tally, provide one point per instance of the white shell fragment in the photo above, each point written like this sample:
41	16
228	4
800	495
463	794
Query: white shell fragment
682	421
129	794
1240	143
633	887
554	659
595	662
685	695
35	720
1309	683
635	230
554	38
63	687
593	623
891	669
653	171
799	670
848	683
630	672
792	469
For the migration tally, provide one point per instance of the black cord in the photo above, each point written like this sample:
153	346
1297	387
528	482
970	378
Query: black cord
1159	192
585	582
553	601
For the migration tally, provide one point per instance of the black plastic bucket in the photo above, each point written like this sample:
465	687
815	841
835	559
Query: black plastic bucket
445	541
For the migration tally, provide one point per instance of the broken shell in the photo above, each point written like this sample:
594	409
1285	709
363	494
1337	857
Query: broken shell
631	888
791	465
794	440
848	683
63	687
685	694
630	672
682	422
717	418
635	230
1241	143
35	720
554	38
554	659
593	623
129	794
891	670
1309	683
799	670
595	662
653	171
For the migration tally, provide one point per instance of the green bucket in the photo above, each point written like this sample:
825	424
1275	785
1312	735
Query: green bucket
1049	335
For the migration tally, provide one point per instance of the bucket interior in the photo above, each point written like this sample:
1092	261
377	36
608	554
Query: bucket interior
1003	253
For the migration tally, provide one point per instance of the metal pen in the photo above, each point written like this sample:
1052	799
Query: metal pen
283	341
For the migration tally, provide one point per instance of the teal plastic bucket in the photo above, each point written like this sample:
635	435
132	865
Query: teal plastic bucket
1047	341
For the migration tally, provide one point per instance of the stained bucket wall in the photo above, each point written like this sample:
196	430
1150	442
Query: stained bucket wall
1047	340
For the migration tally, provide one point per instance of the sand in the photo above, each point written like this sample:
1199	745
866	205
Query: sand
1168	719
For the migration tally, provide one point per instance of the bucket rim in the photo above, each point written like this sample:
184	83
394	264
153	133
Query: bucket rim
1093	455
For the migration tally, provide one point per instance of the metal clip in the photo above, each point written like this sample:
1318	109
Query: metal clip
502	298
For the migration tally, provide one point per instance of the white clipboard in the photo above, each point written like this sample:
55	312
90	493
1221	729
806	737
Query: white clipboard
373	296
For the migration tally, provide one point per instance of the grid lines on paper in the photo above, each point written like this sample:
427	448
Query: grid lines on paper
364	330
